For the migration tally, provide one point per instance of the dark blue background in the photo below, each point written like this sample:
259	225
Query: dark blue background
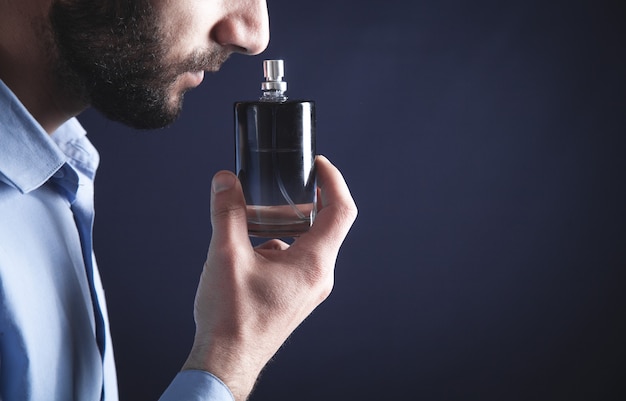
484	144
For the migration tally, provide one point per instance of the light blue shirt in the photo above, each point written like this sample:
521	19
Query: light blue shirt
53	319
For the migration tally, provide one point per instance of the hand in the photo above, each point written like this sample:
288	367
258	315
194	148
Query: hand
249	300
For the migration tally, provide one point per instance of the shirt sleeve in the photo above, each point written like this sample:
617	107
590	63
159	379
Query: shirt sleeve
196	385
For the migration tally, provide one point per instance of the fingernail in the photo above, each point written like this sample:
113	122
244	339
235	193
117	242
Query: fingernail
222	182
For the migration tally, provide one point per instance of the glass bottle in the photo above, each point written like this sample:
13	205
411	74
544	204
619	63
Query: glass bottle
275	158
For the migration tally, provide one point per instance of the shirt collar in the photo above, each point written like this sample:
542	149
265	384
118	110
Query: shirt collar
28	155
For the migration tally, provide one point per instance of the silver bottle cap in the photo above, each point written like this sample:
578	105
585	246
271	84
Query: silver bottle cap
274	71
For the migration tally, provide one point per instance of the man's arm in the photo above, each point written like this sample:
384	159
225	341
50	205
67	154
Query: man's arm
249	300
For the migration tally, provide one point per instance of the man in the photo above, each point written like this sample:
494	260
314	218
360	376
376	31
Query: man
132	60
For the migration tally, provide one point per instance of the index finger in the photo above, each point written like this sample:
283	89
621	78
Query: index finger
337	214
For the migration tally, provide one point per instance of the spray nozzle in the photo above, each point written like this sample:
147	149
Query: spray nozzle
274	86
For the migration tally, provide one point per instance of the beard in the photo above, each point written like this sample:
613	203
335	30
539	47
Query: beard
112	55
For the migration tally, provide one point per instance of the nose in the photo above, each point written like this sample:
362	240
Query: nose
244	27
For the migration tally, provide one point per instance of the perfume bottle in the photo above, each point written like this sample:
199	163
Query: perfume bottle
275	158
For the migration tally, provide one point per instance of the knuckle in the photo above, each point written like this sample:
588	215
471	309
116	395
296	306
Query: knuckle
318	281
344	217
347	213
316	271
226	212
325	289
351	212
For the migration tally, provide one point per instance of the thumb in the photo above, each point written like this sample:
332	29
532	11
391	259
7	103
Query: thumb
228	211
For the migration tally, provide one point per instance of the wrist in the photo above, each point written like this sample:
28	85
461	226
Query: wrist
226	363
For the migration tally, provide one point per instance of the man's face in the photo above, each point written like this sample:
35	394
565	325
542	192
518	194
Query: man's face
134	60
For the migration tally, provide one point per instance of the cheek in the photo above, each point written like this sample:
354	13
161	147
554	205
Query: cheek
187	26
